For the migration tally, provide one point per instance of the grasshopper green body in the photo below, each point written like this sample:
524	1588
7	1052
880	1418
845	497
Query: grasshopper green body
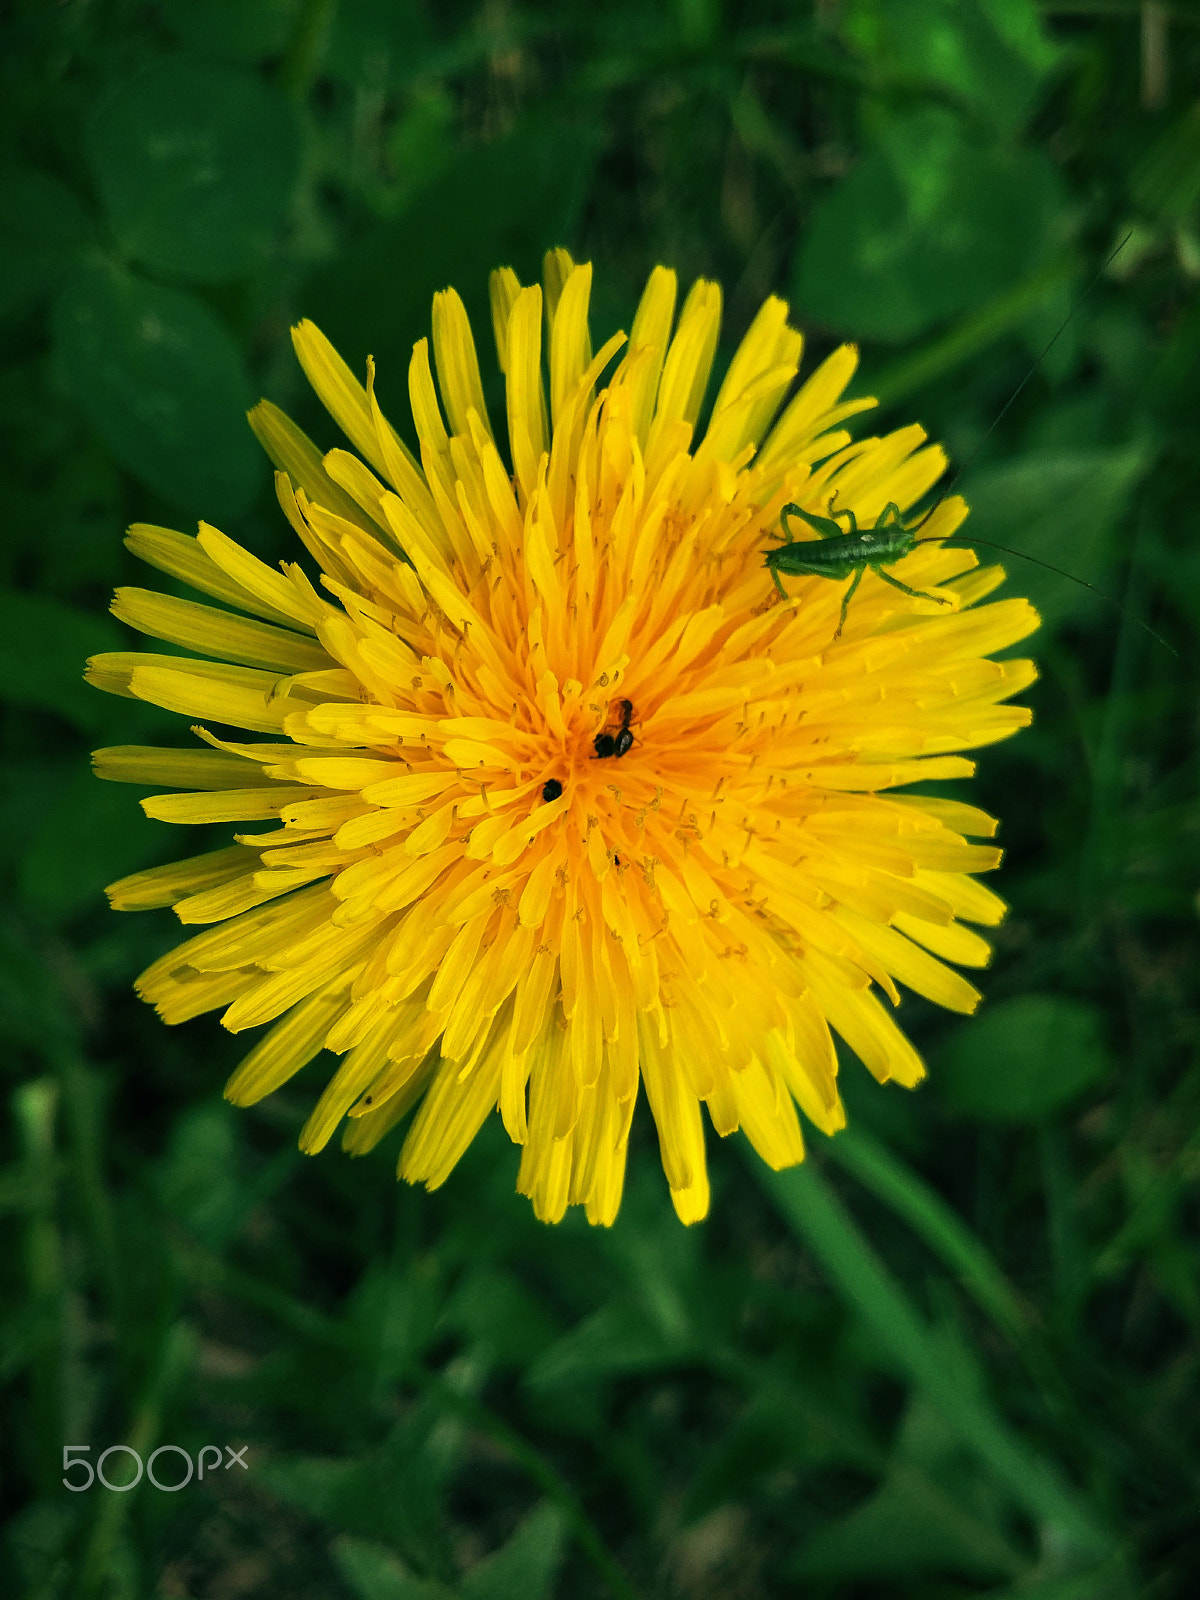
847	552
839	552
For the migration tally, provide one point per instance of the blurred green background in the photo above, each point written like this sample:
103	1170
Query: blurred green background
957	1353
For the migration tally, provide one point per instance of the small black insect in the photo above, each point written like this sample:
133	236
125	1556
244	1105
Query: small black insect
621	742
551	789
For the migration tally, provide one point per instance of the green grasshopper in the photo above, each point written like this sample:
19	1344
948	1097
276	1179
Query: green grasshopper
838	552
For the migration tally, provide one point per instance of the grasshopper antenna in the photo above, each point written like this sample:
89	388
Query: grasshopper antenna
1004	409
1050	567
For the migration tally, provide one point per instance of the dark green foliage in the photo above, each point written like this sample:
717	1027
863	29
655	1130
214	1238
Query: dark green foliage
929	223
1024	1059
955	1354
44	227
162	383
195	165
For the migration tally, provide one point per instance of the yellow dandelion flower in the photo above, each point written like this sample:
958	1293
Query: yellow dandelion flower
559	797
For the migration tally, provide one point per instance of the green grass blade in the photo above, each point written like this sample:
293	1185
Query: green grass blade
937	1224
972	335
822	1223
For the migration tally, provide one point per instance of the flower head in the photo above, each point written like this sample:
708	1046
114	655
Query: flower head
554	794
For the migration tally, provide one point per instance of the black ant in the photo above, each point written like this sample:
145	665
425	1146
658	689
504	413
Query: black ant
619	743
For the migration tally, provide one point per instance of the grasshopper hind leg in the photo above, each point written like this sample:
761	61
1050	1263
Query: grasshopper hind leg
917	594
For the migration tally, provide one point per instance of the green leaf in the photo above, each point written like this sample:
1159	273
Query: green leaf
494	1311
91	834
909	1524
1023	1059
45	227
230	28
392	1315
45	646
934	1509
163	384
1110	1581
373	1572
772	1432
1062	507
421	144
928	225
991	54
195	163
345	1491
526	1566
615	1339
392	1491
